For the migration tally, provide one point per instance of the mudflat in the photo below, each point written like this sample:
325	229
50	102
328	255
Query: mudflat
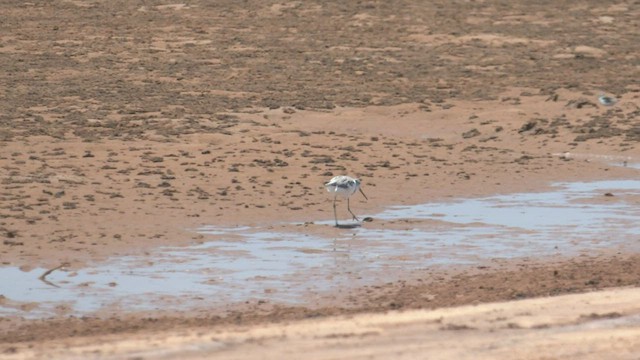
125	125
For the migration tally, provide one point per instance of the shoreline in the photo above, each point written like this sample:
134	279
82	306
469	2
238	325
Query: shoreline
501	280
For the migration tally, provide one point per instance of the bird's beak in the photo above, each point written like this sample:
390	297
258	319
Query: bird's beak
362	192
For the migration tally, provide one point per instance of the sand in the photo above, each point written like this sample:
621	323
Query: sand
124	125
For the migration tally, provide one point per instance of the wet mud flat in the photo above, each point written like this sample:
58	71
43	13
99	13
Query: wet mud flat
434	289
293	264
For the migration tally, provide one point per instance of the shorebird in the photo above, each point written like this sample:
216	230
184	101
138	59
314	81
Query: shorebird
607	100
343	186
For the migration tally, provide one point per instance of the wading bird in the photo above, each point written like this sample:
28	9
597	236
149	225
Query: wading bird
607	100
343	186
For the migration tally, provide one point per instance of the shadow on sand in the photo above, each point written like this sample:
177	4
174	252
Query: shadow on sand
348	226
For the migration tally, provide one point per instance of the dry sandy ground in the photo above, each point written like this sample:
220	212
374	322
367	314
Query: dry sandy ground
564	327
124	123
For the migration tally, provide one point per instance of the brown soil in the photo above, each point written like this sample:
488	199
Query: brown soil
125	123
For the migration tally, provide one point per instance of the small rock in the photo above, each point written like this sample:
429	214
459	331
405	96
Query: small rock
471	133
580	103
528	126
589	51
68	205
13	243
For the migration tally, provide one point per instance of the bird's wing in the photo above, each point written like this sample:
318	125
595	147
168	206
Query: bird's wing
331	186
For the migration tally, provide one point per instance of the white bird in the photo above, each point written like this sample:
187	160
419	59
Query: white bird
343	186
607	100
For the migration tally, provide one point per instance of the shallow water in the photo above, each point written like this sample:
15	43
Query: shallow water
291	262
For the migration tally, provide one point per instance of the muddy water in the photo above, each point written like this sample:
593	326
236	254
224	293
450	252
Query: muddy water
291	262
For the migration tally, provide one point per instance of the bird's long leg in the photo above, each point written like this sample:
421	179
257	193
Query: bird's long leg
335	215
352	214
